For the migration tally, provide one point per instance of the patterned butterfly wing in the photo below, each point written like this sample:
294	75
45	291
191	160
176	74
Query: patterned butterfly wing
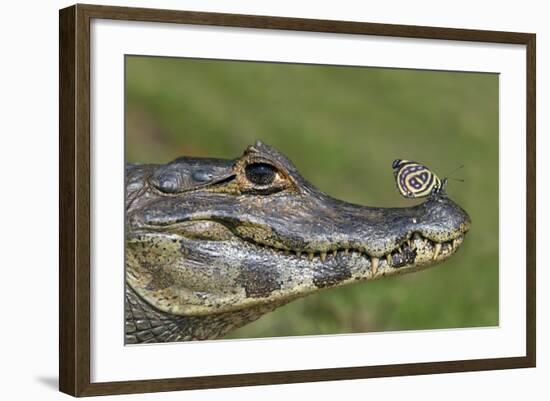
415	180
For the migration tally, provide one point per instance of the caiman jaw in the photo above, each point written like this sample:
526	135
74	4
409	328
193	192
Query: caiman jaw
195	277
413	252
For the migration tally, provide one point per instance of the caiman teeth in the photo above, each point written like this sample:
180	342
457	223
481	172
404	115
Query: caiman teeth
374	263
437	249
414	244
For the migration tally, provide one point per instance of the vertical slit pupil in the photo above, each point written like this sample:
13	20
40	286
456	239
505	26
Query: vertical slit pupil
260	173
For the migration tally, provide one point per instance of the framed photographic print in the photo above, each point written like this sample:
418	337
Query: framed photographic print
241	192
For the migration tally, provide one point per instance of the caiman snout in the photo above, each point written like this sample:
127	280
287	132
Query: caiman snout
320	228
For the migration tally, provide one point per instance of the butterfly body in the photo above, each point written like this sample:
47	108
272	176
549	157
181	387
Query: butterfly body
414	180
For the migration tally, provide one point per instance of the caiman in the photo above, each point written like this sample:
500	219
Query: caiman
214	244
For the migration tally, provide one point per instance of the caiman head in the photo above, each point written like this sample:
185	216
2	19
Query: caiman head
210	237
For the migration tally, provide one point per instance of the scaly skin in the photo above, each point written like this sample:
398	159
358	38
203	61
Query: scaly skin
209	250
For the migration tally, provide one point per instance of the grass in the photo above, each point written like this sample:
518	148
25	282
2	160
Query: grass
342	127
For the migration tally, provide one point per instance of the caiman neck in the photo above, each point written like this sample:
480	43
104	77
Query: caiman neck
146	324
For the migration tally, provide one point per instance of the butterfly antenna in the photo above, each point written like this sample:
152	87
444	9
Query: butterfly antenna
448	176
455	170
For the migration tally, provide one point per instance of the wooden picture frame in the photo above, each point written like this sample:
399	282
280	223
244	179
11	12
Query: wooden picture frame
75	207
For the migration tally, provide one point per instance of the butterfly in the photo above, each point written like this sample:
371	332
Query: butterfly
414	180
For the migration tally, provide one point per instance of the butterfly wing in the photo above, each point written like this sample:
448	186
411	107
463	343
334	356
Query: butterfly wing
414	180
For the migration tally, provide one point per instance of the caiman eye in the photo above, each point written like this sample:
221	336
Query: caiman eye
260	173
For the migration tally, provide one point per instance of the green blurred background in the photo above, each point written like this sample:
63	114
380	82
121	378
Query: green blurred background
342	127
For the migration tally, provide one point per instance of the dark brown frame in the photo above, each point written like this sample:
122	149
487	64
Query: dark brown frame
74	199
